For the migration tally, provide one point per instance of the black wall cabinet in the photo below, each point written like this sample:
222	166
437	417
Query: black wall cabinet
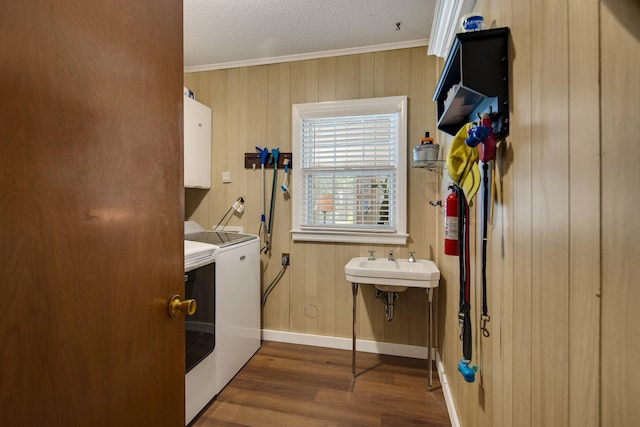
475	80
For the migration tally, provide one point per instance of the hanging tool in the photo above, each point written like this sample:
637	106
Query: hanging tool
487	154
275	153
464	311
463	169
263	154
284	187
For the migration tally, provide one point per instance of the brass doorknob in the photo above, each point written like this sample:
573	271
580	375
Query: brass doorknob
186	307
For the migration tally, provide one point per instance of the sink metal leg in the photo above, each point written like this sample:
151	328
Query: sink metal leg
354	291
429	344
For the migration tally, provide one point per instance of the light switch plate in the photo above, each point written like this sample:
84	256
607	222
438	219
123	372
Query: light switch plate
226	177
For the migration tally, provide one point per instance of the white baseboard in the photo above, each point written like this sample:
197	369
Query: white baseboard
448	397
392	349
404	350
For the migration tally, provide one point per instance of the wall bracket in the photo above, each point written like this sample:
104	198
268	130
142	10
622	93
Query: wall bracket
253	159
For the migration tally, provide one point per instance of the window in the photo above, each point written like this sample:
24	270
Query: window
349	183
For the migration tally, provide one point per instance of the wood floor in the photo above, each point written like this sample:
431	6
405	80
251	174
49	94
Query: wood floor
293	385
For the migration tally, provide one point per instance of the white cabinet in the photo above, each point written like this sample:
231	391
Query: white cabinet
197	144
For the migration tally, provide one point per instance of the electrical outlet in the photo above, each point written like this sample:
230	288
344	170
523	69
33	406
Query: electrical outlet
285	259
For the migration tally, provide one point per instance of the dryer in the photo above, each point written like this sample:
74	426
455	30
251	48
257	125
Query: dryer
200	332
237	297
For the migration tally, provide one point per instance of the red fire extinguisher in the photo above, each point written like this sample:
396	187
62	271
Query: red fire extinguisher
451	224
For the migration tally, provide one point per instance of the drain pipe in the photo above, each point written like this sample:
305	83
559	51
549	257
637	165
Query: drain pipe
389	298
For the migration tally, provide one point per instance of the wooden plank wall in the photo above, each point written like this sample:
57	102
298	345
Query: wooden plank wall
565	232
558	355
252	107
620	108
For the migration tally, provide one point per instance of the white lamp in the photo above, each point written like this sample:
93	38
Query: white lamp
324	204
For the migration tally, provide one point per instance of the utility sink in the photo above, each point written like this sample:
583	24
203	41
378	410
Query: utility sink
393	276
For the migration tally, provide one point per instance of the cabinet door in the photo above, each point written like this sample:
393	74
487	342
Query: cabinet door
197	144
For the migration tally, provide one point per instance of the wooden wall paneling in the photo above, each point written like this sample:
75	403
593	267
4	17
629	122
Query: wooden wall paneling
284	108
502	324
347	78
272	131
257	121
326	79
264	94
499	362
472	392
367	75
489	354
306	311
450	346
370	319
303	281
224	152
521	278
282	104
341	292
235	160
278	311
330	276
501	291
299	79
584	200
620	251
341	295
219	137
380	72
422	184
396	73
550	260
258	107
313	86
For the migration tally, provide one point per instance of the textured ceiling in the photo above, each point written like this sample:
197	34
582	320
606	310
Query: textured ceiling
229	33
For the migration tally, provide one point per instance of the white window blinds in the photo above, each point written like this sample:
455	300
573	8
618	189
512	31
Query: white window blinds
350	169
348	172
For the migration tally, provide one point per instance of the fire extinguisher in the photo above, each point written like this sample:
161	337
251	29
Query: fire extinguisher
451	223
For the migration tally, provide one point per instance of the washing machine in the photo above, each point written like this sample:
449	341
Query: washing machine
237	297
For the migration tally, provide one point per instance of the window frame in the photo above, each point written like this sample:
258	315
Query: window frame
356	107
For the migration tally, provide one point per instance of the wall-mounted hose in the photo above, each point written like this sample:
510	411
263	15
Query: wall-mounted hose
272	284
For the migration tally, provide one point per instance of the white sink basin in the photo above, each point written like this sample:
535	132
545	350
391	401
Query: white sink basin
398	274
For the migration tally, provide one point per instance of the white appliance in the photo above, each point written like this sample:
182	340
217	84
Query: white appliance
200	341
237	298
197	144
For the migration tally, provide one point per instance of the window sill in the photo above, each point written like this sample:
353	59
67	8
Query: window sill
349	237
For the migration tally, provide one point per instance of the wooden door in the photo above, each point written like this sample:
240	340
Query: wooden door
91	205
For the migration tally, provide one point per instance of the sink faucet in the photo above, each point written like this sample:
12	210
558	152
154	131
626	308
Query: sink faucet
411	258
371	257
391	258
